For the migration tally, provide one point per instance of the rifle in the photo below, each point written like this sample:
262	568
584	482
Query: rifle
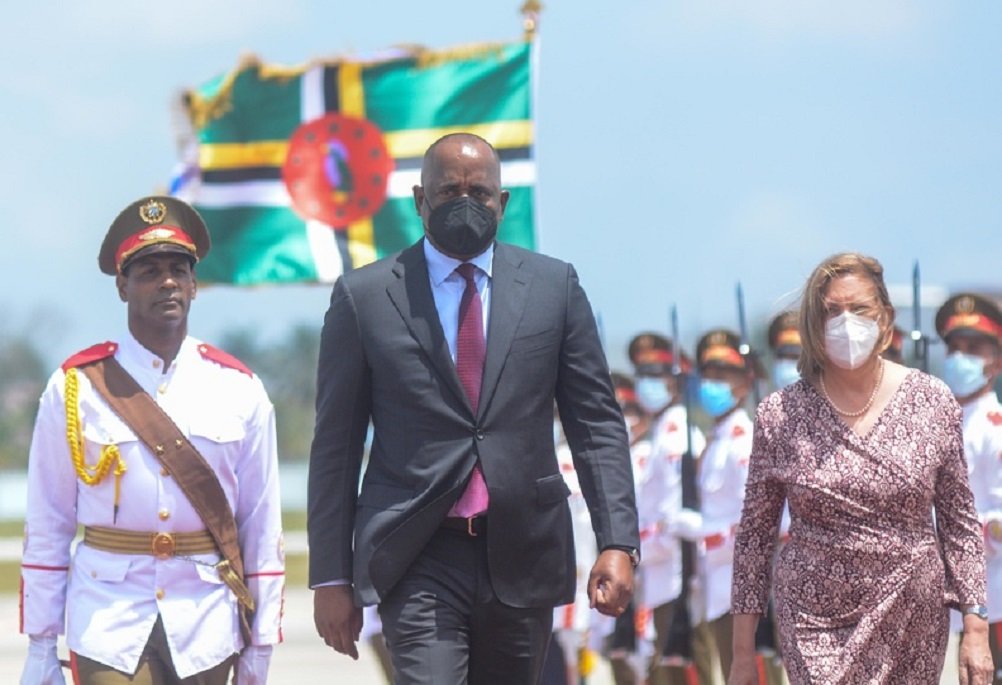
745	348
921	348
678	645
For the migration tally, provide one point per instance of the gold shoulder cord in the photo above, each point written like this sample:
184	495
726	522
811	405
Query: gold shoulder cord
90	475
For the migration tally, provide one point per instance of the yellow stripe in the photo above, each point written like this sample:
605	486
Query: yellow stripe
500	134
401	145
351	98
241	155
351	102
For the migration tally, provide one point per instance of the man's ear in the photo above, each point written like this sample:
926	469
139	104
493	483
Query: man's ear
120	284
418	198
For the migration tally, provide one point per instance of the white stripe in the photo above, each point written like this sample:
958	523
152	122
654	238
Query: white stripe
516	173
253	193
311	93
326	256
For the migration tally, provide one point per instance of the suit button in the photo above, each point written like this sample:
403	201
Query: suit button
160	594
480	434
164	514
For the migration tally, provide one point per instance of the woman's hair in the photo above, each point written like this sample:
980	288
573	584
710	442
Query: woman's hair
814	313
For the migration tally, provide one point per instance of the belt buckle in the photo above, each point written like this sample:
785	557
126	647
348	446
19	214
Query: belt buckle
162	546
469	526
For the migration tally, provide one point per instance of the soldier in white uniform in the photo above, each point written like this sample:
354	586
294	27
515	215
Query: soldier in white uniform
147	596
971	326
726	381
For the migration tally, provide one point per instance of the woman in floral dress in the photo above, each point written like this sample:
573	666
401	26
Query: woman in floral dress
884	536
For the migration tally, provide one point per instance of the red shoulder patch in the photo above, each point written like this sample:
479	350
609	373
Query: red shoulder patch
995	417
737	431
214	354
91	354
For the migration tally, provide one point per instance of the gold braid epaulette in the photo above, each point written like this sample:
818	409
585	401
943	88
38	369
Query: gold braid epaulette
90	475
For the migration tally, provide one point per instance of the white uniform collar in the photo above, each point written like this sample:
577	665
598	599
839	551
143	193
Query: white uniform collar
985	403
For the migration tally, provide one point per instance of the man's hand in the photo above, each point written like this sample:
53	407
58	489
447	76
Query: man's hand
338	620
610	586
976	666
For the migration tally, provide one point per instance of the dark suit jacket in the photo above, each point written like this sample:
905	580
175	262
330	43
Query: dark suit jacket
383	356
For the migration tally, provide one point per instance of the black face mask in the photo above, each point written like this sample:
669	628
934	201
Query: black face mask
462	227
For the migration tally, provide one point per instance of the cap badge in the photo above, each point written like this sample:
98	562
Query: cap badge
717	338
153	212
965	305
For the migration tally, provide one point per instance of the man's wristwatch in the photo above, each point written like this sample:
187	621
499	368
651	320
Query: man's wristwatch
979	610
633	552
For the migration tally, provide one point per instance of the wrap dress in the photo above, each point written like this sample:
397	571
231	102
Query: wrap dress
884	536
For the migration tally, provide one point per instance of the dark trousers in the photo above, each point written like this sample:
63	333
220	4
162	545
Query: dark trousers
445	626
155	667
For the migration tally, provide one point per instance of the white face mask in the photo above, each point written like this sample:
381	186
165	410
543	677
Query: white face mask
850	339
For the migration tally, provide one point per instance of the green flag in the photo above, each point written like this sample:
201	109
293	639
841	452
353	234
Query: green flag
303	173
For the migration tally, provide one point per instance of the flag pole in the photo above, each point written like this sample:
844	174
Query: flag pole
530	10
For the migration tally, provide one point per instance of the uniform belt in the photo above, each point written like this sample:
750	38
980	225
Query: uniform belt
472	526
160	545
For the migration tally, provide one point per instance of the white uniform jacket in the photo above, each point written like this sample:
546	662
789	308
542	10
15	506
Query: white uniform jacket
983	449
723	473
659	498
107	603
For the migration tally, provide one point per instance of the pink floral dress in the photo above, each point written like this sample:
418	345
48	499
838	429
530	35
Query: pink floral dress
862	587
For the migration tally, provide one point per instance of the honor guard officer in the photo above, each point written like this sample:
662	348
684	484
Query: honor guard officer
659	489
162	448
784	341
726	381
971	327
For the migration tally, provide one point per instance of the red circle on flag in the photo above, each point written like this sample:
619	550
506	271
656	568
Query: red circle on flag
337	169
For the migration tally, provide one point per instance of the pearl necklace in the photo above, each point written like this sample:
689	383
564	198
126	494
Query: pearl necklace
869	402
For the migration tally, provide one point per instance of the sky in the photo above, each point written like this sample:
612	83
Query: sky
682	147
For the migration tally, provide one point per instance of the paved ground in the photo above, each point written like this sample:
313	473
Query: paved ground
300	660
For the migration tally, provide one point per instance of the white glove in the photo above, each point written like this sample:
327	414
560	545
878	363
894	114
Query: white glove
252	665
993	536
687	524
42	666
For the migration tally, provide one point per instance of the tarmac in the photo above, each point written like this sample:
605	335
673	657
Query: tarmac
301	659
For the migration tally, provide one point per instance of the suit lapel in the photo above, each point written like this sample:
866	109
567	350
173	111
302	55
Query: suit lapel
411	294
509	295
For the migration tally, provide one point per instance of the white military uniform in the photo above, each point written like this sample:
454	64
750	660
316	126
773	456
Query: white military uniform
114	599
983	450
722	477
659	498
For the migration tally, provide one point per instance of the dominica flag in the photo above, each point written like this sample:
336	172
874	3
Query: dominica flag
302	173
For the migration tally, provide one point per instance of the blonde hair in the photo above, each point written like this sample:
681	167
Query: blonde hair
814	313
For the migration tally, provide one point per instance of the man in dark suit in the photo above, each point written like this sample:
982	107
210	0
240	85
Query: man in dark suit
456	349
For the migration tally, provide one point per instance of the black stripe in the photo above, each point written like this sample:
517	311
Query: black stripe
332	102
274	173
341	237
255	173
508	154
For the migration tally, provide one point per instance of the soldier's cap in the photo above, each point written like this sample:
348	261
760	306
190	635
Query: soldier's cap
969	314
652	354
784	334
153	225
720	348
623	387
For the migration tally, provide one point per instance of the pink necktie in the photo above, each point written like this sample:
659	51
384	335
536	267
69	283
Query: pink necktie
470	352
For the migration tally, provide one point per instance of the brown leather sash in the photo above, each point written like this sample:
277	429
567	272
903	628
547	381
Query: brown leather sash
189	469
